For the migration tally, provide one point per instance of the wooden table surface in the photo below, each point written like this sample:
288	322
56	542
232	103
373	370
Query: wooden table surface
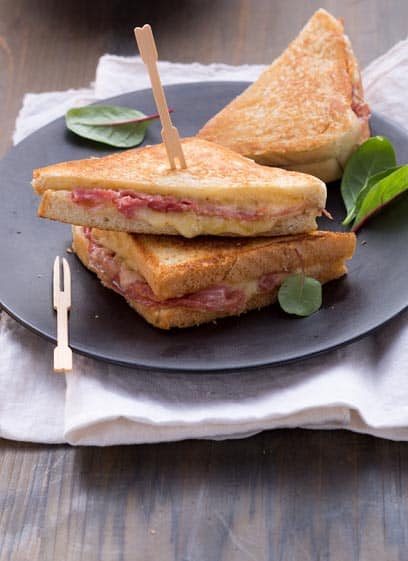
283	495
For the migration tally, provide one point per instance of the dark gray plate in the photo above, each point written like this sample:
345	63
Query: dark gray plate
103	326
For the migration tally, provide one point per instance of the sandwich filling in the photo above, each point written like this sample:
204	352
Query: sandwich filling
128	203
359	107
117	275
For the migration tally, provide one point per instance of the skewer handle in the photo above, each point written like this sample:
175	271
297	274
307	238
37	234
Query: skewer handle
170	135
62	353
62	303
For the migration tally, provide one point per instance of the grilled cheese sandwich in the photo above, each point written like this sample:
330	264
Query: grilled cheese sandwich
175	282
220	193
306	112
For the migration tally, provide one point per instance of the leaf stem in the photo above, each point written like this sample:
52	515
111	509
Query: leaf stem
302	265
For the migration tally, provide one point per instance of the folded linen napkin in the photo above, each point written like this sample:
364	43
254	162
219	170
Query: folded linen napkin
361	387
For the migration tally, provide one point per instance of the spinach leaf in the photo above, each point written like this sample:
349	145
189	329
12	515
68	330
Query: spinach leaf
362	194
373	156
381	194
117	126
300	295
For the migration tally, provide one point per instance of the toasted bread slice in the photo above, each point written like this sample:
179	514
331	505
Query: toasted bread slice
220	193
306	111
187	282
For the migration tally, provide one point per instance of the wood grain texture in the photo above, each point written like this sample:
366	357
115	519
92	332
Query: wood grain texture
282	495
52	45
288	495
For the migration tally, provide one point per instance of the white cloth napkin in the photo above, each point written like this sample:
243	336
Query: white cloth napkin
361	387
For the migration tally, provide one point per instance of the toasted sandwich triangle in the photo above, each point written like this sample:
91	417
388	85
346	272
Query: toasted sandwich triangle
306	111
220	193
174	282
212	170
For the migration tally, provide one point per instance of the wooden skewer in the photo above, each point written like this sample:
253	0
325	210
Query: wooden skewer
169	133
62	304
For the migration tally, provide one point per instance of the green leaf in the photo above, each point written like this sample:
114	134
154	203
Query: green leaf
373	156
381	194
300	295
121	127
371	181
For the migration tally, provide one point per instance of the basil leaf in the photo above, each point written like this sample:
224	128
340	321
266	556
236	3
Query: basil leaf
373	156
300	295
111	125
362	194
381	194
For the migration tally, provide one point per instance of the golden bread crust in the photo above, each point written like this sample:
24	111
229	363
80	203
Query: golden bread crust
214	174
175	266
251	261
299	111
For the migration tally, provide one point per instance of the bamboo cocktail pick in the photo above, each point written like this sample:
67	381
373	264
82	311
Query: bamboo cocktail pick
62	303
148	52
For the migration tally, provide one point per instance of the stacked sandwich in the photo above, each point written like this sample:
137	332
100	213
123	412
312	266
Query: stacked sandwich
188	246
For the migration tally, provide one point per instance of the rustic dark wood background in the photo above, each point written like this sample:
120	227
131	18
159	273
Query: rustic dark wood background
286	495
